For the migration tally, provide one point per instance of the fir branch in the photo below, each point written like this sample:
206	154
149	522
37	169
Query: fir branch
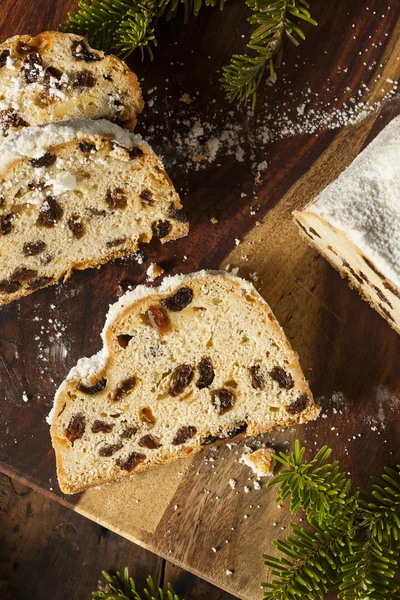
122	587
317	487
274	20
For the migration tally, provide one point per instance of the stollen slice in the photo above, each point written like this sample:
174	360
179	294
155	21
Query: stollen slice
56	76
355	224
195	361
75	194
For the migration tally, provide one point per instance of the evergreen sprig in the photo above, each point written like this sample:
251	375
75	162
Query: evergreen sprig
122	26
122	587
352	541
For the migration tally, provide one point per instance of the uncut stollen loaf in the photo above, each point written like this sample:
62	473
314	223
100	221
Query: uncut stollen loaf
58	76
75	194
197	360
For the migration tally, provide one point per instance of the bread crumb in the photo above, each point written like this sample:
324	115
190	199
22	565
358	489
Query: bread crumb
25	397
233	483
261	461
214	220
154	271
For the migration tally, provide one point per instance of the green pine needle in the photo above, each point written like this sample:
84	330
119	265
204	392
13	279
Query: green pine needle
274	20
122	587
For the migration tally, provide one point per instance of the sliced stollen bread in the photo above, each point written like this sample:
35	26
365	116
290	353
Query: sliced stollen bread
355	224
57	76
197	360
75	194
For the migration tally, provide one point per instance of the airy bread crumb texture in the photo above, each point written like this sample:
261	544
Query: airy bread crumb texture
56	76
198	360
261	461
76	194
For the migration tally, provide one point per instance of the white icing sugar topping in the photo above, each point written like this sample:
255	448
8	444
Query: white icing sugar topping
64	183
33	142
364	202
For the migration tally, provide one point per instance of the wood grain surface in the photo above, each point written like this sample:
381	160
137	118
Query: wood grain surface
348	352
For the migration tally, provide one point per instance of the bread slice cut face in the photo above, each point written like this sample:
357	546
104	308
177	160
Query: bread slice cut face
195	361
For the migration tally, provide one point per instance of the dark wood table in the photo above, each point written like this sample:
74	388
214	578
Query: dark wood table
349	353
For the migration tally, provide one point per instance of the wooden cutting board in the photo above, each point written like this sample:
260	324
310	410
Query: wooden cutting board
350	355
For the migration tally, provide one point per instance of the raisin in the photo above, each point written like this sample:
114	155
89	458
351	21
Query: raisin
372	267
3	57
135	152
237	430
223	400
184	434
81	51
84	78
24	48
298	405
33	248
147	197
149	441
109	450
124	339
392	289
177	213
116	198
31	66
6	224
180	379
102	426
180	300
76	226
10	118
352	271
386	312
131	462
211	439
50	212
40	282
304	229
87	147
2	199
117	242
314	232
382	296
23	274
97	213
76	428
93	389
284	379
257	377
206	373
44	161
124	388
52	73
363	277
147	416
107	77
159	319
9	287
128	432
161	229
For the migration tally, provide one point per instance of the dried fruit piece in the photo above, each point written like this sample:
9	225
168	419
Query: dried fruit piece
149	441
6	224
98	387
212	439
180	300
76	428
24	48
147	416
102	426
184	434
87	147
50	212
84	78
10	118
33	248
44	161
128	432
147	197
52	78
115	243
257	377
223	400
81	51
124	339
178	214
284	379
180	379
76	226
124	388
161	229
9	287
135	152
131	462
32	66
159	319
40	282
109	450
23	274
116	198
206	373
298	405
3	57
